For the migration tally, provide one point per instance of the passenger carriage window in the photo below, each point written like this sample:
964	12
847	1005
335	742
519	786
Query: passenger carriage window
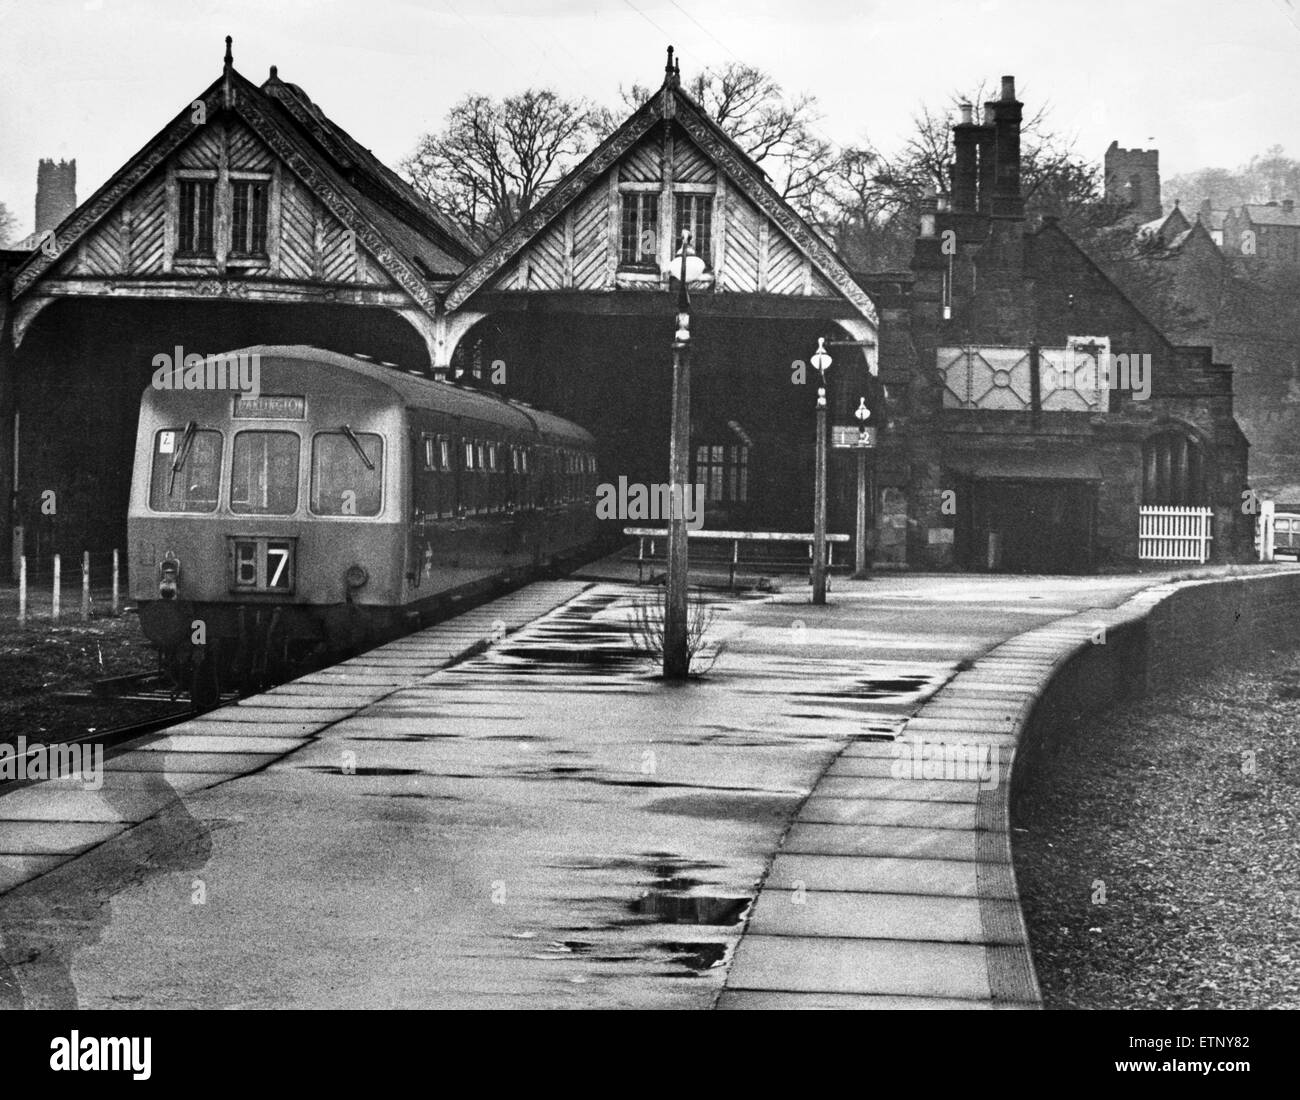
343	483
186	474
437	453
264	473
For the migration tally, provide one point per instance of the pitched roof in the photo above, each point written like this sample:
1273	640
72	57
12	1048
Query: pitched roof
359	163
1271	214
670	102
1213	219
1166	226
411	241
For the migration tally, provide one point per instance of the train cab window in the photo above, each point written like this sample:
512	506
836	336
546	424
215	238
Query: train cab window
186	471
264	474
347	473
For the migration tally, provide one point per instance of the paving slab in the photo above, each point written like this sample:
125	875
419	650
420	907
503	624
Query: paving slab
880	840
189	763
873	874
34	838
118	780
733	999
236	745
879	811
220	727
816	964
40	802
881	916
15	870
836	784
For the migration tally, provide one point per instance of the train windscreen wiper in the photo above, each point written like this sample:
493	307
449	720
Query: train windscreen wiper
356	446
182	452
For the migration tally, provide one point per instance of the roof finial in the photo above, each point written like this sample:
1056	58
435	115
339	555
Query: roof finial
227	94
672	71
275	72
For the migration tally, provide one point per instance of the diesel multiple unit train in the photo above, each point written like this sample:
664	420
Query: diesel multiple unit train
345	502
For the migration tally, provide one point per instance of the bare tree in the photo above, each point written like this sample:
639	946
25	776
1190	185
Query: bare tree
8	226
877	197
495	159
1265	178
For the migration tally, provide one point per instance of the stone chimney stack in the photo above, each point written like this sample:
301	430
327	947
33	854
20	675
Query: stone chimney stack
56	192
1006	112
988	167
964	168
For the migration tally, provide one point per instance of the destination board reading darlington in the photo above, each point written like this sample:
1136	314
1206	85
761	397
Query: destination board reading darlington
269	407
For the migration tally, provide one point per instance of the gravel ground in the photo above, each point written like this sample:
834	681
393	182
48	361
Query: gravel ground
39	661
1159	861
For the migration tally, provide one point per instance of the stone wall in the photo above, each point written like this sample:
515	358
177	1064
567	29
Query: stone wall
1155	640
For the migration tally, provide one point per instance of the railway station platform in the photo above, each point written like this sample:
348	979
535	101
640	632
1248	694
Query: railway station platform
510	809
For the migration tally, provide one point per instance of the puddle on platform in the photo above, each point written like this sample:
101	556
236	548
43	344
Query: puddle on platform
595	634
694	956
650	893
334	769
671	908
733	805
889	688
583	635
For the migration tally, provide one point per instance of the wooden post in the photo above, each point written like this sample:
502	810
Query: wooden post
862	563
85	586
116	589
22	590
58	567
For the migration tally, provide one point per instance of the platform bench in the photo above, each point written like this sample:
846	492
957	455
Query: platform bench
649	538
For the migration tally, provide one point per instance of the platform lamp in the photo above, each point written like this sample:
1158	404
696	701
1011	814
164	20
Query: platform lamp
862	563
686	266
821	362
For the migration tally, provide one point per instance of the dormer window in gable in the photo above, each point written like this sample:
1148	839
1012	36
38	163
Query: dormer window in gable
691	206
693	211
221	218
639	246
249	211
196	215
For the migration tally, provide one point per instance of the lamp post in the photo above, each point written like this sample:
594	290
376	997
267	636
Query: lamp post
821	362
677	658
862	564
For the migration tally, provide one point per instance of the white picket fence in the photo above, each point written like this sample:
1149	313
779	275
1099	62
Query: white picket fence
1169	533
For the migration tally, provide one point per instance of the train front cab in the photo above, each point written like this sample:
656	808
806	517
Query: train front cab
278	518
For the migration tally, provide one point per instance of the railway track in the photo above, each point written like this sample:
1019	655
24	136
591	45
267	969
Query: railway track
154	687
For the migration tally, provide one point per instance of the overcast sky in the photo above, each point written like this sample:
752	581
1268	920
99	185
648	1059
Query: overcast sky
1208	83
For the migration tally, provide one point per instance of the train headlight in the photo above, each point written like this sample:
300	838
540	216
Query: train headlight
357	577
169	575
